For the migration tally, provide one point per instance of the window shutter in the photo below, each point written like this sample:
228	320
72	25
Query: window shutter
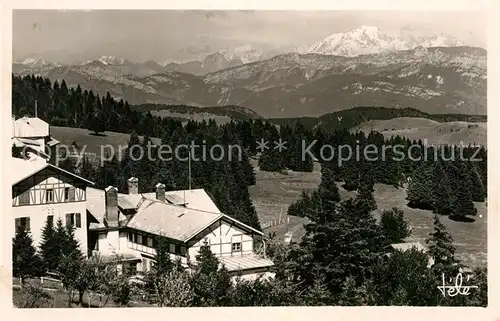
78	220
68	220
18	225
71	194
27	224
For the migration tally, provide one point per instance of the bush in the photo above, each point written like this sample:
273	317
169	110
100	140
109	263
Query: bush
30	296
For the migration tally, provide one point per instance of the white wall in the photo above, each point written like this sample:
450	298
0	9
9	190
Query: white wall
220	236
38	217
39	212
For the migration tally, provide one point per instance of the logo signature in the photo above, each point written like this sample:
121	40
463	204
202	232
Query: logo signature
457	288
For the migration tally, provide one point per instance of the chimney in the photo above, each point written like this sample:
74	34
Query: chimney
133	185
160	192
111	201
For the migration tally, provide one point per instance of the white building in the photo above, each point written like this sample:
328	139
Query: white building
42	191
33	134
127	225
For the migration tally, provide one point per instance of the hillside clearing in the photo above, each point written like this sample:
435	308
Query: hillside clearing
434	132
274	192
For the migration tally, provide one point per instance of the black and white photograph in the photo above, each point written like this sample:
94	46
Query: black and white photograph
248	158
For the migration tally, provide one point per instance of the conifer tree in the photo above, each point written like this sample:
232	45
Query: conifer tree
25	261
393	226
48	247
339	244
271	161
420	187
463	201
163	264
443	197
477	188
211	285
441	250
328	192
365	187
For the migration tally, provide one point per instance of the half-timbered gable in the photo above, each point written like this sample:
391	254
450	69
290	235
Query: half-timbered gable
41	192
49	185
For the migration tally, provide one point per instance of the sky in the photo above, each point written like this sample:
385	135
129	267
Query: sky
70	36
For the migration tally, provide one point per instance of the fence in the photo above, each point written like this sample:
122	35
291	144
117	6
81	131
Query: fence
277	222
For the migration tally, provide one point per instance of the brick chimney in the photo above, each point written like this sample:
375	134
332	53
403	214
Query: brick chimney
111	201
133	185
160	192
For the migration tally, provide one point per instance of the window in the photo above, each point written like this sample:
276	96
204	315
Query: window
172	248
49	196
24	198
134	237
150	241
183	250
69	194
236	247
73	220
177	249
144	240
139	239
22	224
129	236
131	269
50	219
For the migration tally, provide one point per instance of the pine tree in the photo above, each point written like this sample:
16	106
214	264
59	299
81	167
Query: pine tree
207	262
339	244
271	161
394	227
443	198
464	205
366	187
350	173
328	192
477	188
163	263
48	247
211	285
25	261
420	187
441	249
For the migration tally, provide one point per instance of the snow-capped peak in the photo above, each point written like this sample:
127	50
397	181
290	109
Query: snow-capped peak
35	62
369	40
111	60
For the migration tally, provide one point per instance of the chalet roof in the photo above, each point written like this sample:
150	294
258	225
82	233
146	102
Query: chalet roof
409	245
244	262
30	127
196	199
163	218
25	168
175	222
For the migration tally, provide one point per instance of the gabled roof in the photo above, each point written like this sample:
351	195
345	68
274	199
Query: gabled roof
175	222
24	168
196	199
30	127
163	218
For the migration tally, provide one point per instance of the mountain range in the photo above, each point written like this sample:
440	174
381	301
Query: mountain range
363	67
369	40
